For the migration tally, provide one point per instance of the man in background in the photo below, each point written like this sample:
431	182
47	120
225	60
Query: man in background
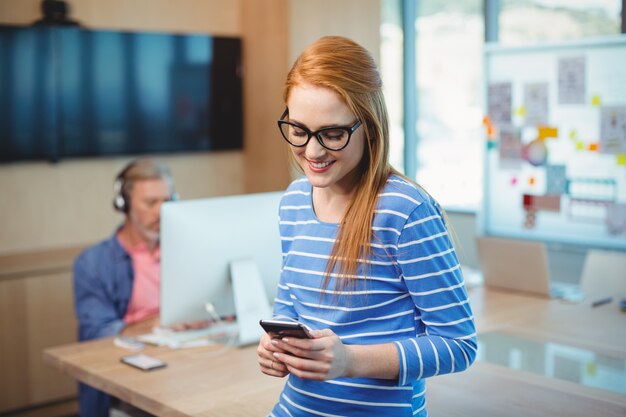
117	281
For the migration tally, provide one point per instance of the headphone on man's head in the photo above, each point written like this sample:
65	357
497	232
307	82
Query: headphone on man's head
121	201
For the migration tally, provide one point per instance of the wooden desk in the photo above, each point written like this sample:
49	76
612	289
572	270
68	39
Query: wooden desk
491	390
601	329
201	382
196	381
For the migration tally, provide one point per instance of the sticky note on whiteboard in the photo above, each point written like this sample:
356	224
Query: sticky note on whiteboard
595	100
548	132
541	202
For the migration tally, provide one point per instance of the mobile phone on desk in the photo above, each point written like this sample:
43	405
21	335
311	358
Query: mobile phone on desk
278	329
143	362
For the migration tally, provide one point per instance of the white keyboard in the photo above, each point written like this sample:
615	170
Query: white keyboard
168	337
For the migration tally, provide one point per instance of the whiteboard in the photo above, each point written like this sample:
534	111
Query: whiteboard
555	161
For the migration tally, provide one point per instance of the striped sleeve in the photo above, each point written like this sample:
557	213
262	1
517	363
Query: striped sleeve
432	273
283	303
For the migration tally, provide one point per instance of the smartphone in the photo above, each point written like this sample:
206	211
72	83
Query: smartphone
278	329
143	362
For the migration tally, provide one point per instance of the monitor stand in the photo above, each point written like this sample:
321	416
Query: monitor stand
251	304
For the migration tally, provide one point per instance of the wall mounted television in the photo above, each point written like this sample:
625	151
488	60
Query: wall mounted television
70	92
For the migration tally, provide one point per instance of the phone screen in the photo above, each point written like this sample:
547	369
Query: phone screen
278	329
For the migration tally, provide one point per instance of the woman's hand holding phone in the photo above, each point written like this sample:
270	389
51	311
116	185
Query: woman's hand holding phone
321	358
318	355
268	363
275	330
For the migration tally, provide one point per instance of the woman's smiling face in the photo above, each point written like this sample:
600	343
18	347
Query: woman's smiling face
315	108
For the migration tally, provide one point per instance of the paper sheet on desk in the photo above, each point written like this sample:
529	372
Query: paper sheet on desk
187	338
175	341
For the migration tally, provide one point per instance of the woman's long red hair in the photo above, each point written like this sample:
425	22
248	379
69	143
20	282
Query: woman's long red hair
347	68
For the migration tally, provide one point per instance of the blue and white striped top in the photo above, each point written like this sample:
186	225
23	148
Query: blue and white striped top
413	296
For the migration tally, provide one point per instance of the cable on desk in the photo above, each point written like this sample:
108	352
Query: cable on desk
210	308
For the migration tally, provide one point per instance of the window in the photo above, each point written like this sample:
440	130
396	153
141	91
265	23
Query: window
391	71
531	21
449	40
437	135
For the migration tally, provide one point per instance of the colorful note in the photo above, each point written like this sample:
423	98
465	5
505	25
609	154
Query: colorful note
595	101
548	132
542	202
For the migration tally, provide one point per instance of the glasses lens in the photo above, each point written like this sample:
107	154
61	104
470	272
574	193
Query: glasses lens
294	134
334	138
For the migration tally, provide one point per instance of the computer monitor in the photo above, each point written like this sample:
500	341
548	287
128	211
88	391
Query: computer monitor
200	240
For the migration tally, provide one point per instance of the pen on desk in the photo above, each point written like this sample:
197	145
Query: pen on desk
601	302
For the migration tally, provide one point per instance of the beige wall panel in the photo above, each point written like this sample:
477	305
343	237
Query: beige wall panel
13	346
70	203
218	17
19	12
265	29
51	322
355	19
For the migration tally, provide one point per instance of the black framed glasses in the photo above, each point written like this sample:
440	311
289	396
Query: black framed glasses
333	138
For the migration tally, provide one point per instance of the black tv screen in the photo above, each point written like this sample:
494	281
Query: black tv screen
71	92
